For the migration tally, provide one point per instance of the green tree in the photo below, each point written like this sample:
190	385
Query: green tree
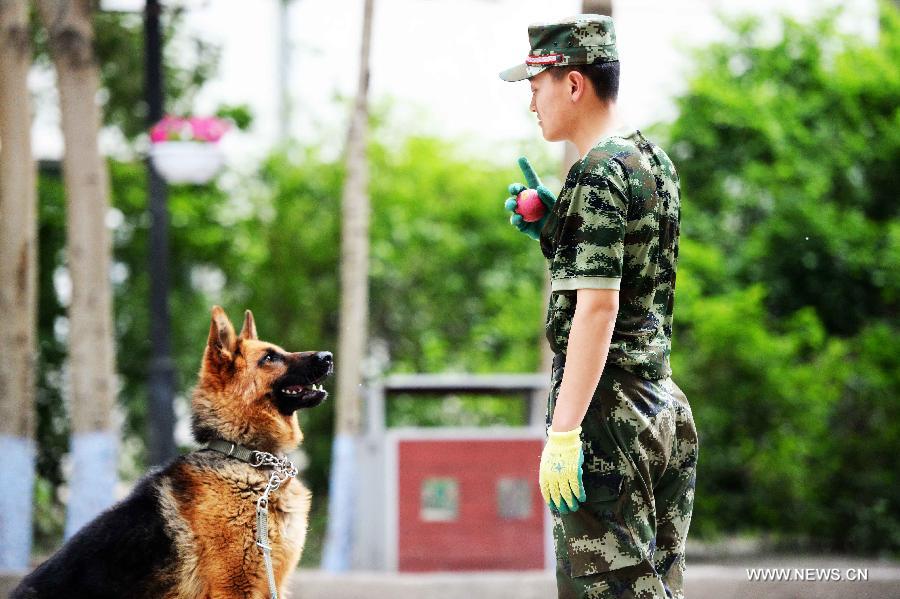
785	335
787	154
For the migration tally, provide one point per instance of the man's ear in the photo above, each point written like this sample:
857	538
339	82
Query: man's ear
221	343
577	83
248	331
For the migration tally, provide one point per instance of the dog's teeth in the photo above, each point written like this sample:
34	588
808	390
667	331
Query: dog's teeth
300	389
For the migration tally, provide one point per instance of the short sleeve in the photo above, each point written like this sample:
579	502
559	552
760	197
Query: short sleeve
591	242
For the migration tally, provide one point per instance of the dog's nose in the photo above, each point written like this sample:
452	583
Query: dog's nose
325	358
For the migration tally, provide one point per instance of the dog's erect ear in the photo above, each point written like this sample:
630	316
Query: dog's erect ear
248	331
221	340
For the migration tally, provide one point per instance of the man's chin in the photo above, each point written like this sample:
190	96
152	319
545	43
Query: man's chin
548	136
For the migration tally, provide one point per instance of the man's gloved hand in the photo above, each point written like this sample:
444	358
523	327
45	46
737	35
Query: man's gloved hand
560	475
532	229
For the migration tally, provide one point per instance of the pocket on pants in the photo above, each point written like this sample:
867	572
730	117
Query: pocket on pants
598	538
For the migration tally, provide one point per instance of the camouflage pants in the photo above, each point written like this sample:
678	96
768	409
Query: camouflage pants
640	459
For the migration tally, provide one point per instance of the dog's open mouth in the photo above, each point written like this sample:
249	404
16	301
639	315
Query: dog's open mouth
303	391
291	396
301	386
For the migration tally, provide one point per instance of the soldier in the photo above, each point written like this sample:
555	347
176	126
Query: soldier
618	469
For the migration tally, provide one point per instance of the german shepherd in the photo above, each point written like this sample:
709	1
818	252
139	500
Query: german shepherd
189	529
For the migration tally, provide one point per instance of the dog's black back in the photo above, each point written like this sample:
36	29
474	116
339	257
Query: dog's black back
123	553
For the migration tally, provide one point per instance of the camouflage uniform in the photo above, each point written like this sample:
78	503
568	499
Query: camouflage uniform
615	226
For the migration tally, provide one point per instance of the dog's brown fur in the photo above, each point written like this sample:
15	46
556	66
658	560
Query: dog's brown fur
196	519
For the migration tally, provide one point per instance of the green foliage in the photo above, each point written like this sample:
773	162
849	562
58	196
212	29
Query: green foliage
466	410
447	271
785	330
859	486
52	422
788	155
762	391
239	114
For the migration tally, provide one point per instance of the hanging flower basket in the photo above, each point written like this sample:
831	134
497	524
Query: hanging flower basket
186	161
186	150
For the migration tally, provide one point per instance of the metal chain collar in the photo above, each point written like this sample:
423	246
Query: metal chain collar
282	471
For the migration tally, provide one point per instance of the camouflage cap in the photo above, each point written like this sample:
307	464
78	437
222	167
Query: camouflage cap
582	39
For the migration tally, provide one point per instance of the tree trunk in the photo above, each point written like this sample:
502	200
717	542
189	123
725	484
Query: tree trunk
91	343
355	252
353	320
18	288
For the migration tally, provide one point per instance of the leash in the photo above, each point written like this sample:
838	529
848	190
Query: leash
282	471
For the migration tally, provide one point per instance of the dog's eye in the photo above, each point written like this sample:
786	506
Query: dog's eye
270	358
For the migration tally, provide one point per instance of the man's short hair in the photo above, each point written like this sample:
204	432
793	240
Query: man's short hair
604	77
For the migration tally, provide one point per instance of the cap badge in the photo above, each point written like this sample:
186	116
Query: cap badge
543	60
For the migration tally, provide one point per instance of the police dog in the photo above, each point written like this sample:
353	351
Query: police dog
189	529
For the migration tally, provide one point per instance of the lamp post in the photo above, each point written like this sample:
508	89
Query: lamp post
161	384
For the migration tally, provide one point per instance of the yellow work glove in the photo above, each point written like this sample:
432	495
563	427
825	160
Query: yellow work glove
560	475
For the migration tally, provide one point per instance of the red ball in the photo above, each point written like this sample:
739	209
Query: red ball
530	206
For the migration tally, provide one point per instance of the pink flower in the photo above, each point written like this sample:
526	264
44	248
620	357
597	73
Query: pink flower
166	129
171	128
208	129
157	133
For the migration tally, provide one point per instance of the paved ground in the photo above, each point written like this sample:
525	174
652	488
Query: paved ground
704	581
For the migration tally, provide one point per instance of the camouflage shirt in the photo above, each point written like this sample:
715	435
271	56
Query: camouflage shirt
615	226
